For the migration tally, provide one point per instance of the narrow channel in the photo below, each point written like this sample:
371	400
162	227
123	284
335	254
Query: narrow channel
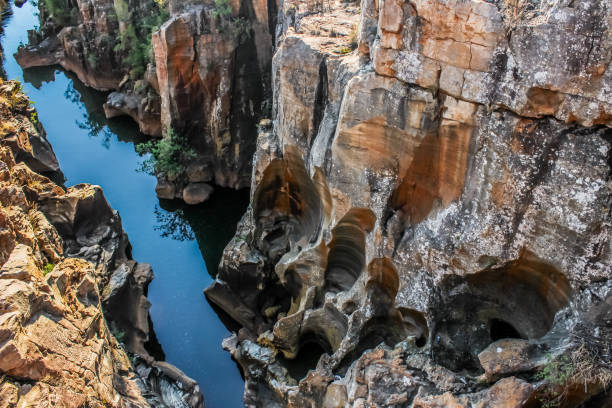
183	244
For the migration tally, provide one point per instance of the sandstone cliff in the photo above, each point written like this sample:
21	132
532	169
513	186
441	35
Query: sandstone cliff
180	67
430	215
69	290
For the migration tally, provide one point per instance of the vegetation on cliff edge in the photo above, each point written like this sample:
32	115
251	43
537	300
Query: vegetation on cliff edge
168	155
134	41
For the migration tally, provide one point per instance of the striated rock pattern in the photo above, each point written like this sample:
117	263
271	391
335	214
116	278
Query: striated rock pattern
430	219
208	76
214	76
69	290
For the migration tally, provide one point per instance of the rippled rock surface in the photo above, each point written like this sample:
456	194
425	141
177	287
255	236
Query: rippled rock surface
456	244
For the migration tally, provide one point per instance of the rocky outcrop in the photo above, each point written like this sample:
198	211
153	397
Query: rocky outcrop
430	214
23	133
73	310
214	78
208	78
105	44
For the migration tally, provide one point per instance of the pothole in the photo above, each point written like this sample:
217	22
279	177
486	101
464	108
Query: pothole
517	300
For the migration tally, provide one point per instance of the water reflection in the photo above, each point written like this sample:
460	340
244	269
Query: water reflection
95	150
212	223
89	103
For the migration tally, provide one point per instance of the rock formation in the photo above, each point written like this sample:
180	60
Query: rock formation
70	292
206	76
430	219
104	44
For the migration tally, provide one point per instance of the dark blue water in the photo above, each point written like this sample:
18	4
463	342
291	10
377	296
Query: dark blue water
176	240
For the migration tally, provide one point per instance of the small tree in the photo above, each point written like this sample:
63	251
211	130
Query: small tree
222	9
168	155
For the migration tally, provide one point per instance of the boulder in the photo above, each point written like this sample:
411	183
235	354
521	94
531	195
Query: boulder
165	189
197	193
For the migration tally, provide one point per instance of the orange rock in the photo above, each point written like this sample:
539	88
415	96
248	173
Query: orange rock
392	15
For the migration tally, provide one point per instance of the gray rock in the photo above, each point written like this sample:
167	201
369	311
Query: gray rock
165	189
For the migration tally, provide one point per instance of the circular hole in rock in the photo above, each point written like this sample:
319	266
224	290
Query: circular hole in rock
421	341
517	300
307	358
500	329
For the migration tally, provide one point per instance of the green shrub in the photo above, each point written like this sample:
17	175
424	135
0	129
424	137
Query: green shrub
59	11
48	268
168	155
222	9
557	372
135	40
122	10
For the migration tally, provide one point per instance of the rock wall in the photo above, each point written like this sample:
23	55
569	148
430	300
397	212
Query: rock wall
214	76
430	214
74	322
208	76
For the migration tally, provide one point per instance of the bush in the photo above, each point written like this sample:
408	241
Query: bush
557	373
59	11
168	155
222	9
48	268
135	40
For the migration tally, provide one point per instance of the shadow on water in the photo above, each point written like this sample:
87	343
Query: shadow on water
212	223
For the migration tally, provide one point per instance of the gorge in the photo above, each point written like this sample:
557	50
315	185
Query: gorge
92	149
429	219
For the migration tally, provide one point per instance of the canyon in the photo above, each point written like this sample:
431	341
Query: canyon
430	188
70	287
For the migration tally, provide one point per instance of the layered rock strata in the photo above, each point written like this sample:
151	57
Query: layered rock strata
208	77
86	38
430	215
74	322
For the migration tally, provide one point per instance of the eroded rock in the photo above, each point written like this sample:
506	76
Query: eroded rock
69	292
479	143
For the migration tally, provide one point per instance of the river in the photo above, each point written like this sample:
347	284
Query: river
178	241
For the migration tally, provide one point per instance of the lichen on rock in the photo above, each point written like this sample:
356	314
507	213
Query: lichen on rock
479	145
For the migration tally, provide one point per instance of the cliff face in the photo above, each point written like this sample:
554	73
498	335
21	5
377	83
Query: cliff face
69	288
214	75
440	195
179	67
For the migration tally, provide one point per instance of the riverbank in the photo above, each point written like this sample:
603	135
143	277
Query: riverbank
92	149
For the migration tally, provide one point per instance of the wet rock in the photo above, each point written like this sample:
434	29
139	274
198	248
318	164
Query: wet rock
196	193
199	173
165	189
142	109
